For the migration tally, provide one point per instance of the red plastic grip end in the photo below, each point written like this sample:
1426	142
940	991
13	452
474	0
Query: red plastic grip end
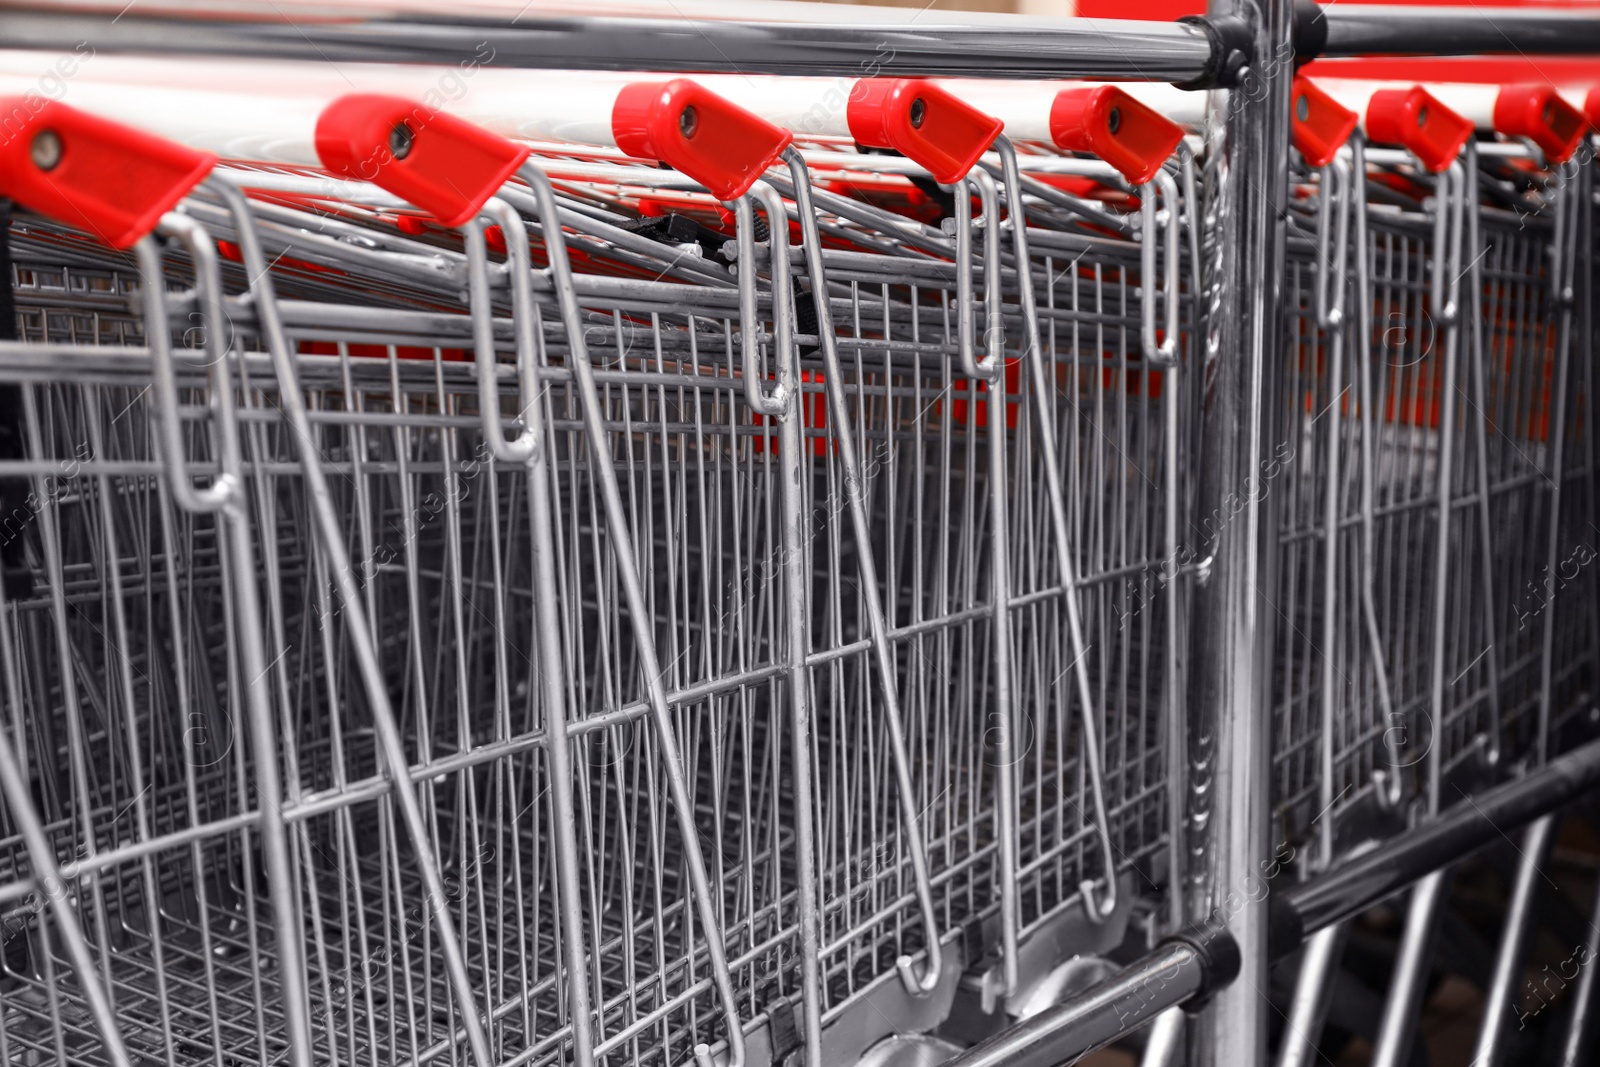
1114	126
693	130
1415	119
1538	113
442	164
922	122
1591	107
101	177
1320	125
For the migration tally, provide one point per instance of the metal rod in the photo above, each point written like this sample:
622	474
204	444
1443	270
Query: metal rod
1580	1031
1165	1047
1337	187
1360	29
552	668
1503	996
1132	997
1446	314
935	45
1398	1027
1231	622
1309	1009
1480	406
1360	883
1562	266
797	570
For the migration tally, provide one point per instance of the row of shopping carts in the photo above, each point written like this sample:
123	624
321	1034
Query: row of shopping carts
494	600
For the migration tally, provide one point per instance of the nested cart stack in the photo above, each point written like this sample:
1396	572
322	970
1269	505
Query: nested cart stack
850	563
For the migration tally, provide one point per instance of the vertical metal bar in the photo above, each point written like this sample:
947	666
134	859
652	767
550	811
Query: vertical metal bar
1309	1009
1389	779
1229	730
797	584
1575	1051
991	370
1336	192
552	665
1452	192
1480	425
1501	1003
1589	355
1411	969
1165	1047
1175	390
1561	272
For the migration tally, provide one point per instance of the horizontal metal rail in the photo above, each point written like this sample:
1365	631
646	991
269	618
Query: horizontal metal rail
770	39
934	45
1474	822
1183	968
1363	29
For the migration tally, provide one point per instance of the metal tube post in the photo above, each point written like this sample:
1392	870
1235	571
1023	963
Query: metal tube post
1231	626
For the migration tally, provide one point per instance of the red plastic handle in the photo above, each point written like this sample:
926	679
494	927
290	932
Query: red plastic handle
922	122
693	130
1320	125
101	177
443	165
1415	119
1108	122
1538	113
1591	107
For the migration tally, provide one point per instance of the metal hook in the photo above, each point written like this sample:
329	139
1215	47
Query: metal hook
1164	354
518	450
1336	193
1448	200
1100	911
774	403
992	363
226	487
1564	245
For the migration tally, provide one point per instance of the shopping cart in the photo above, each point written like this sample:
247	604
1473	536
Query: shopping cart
448	528
1401	684
466	605
1395	677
